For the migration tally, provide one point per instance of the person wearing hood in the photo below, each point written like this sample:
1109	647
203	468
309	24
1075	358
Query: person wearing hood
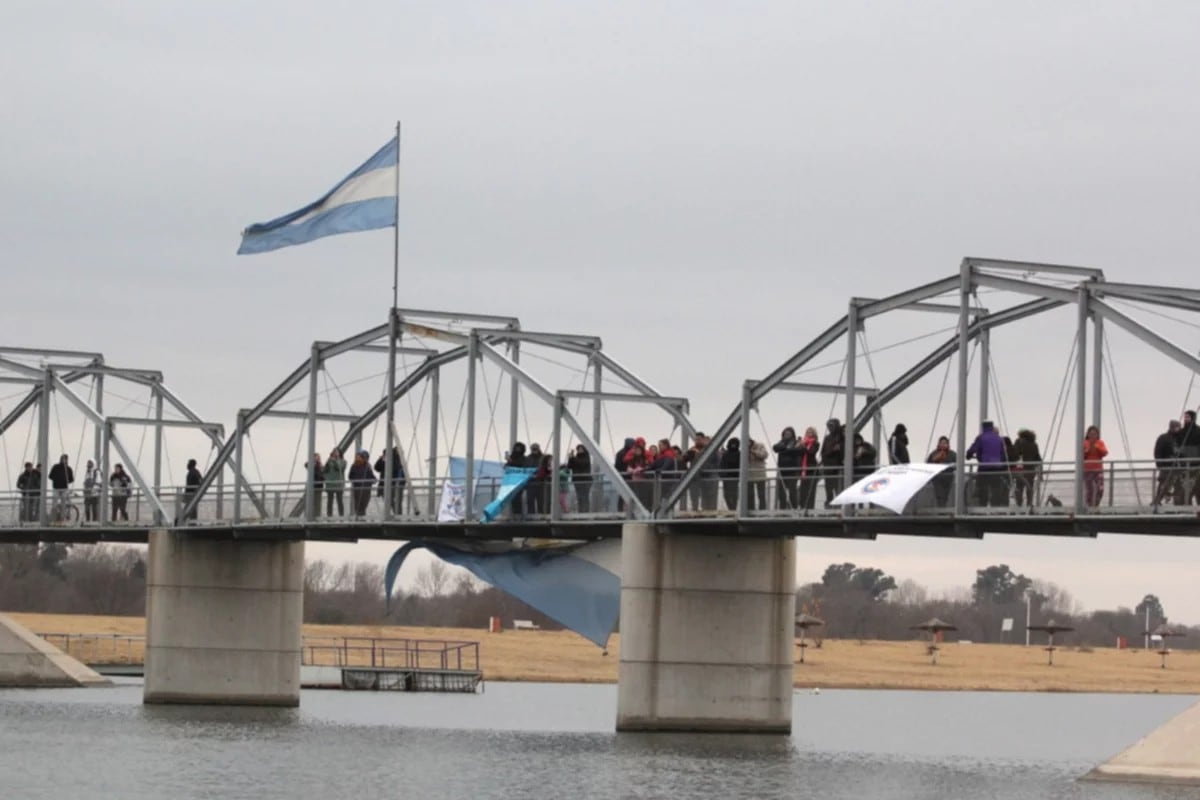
866	457
622	467
809	473
92	480
193	481
1166	458
943	482
398	478
898	446
758	476
579	463
334	482
362	478
833	456
730	464
787	458
535	497
991	477
1026	467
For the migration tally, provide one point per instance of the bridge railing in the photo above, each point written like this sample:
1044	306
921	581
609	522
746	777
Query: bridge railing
393	653
100	648
1128	487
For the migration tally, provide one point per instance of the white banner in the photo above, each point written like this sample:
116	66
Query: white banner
890	487
454	503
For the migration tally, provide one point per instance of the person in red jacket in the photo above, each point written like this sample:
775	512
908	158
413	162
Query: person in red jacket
1094	451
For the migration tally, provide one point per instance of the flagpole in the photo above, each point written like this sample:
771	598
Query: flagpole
389	467
396	229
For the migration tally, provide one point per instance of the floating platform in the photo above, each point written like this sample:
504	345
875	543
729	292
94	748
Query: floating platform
391	679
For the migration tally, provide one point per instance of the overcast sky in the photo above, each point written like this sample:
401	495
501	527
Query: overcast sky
701	184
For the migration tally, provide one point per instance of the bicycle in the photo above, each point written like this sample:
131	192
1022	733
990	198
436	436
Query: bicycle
64	510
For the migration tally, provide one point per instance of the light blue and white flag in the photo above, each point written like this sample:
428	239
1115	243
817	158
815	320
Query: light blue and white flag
363	201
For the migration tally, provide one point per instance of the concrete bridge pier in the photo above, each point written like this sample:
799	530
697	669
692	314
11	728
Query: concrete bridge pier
707	631
223	620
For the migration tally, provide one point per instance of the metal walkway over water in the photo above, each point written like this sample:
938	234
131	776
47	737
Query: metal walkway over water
452	388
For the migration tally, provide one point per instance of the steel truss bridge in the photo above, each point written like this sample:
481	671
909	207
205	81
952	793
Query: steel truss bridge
427	351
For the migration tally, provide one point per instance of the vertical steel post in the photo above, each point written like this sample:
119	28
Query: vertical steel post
388	467
597	419
310	486
102	458
851	365
434	388
238	480
556	457
1080	395
1097	369
597	407
158	448
44	443
98	387
221	492
743	499
514	432
469	488
985	373
876	426
964	344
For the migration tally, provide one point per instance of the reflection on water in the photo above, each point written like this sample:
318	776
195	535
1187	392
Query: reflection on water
532	740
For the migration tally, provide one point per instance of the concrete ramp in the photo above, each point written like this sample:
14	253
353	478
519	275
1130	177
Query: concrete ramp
1169	755
28	660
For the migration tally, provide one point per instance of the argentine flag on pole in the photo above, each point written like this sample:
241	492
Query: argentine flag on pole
363	201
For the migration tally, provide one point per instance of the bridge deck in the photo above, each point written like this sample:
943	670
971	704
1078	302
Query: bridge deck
1173	522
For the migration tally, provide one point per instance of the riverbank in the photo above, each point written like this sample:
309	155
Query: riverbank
563	657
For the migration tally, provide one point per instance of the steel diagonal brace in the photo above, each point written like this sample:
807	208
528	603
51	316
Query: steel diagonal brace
531	383
96	419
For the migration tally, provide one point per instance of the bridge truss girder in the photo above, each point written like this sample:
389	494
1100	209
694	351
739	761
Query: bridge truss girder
485	338
974	324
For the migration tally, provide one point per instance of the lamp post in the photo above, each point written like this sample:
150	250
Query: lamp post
1028	596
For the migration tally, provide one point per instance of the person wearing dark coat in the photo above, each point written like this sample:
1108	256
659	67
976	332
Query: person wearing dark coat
898	446
516	458
991	477
943	482
192	484
398	478
1166	458
580	465
29	484
361	480
809	472
536	499
1189	452
730	464
866	457
1026	466
788	456
833	457
61	477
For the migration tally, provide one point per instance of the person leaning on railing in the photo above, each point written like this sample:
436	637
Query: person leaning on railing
1027	464
120	482
335	482
1094	451
1166	459
1189	451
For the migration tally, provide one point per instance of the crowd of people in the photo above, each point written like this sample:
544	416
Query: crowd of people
1007	471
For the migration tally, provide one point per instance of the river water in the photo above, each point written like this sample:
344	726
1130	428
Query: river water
556	741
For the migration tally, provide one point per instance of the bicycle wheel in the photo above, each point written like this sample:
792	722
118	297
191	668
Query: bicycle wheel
73	514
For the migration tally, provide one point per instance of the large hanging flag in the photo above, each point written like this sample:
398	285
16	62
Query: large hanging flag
363	201
890	487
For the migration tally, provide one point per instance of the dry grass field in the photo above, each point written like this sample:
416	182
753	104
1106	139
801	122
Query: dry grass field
564	657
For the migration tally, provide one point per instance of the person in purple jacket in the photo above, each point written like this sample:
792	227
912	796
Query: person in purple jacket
991	479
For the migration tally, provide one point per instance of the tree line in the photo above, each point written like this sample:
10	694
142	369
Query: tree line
855	602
